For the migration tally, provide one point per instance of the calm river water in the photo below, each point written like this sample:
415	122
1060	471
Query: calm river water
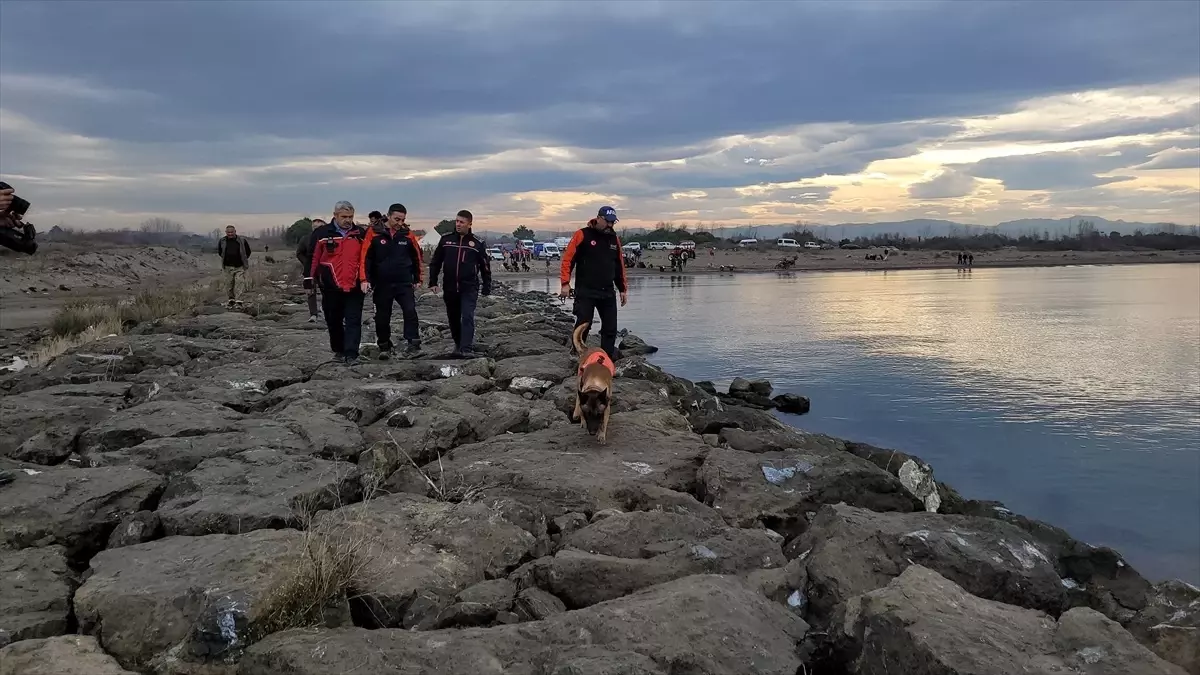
1071	394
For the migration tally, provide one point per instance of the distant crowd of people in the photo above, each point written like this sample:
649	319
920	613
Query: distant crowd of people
344	262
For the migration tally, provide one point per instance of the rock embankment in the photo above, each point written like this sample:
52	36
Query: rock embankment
213	496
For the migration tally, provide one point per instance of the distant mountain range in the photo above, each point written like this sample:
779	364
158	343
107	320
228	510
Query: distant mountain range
933	228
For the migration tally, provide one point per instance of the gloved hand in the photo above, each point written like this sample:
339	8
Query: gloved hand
308	283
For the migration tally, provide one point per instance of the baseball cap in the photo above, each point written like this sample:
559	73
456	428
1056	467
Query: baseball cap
608	213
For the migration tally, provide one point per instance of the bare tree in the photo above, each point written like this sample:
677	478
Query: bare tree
161	226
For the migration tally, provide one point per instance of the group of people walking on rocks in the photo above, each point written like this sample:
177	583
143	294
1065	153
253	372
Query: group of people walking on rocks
345	261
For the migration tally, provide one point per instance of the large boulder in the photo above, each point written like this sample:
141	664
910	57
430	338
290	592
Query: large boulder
1169	624
554	367
35	593
75	508
43	426
924	624
158	419
331	434
257	489
563	470
180	454
64	655
190	599
850	551
781	489
629	551
700	625
414	546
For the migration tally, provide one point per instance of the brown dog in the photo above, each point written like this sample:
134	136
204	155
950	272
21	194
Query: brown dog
593	400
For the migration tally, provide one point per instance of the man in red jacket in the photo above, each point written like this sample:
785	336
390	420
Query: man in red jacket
337	256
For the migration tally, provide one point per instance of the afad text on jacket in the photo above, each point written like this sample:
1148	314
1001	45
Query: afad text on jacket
465	262
391	257
595	255
337	257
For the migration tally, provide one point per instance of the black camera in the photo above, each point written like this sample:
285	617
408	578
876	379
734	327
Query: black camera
19	206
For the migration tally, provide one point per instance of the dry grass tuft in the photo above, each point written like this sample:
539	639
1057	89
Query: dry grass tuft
80	322
440	489
335	563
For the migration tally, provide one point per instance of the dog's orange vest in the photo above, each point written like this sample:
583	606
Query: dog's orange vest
600	357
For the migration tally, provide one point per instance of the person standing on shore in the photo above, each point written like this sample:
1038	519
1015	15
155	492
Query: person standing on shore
468	275
235	258
337	255
391	266
304	253
595	256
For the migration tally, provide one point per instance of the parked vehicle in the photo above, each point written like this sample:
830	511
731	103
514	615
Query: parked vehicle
527	243
562	242
787	243
687	245
546	251
496	253
748	243
811	244
632	246
659	245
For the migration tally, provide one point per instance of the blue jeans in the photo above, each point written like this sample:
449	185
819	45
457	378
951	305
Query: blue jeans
460	313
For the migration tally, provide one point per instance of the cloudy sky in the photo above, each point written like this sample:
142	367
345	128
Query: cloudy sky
540	112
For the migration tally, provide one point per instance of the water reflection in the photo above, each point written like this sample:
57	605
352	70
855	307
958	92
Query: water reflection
1073	394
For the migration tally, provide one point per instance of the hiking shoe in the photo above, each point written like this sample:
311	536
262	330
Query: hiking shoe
412	349
312	318
351	360
385	354
469	353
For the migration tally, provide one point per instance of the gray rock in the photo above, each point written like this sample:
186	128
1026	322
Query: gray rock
330	434
702	625
43	427
187	599
1169	624
64	655
76	508
496	593
136	528
560	470
416	545
913	472
552	367
568	523
181	454
850	551
777	440
780	489
157	419
714	416
534	604
258	489
741	385
35	593
792	403
924	624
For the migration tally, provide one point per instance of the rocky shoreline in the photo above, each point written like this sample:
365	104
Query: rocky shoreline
210	495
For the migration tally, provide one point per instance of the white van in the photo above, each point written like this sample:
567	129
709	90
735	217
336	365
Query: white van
786	243
562	242
811	244
659	245
632	246
748	243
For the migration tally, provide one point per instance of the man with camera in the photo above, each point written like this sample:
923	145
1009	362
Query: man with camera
15	234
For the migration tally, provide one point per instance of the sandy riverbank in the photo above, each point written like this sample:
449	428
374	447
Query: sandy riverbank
760	261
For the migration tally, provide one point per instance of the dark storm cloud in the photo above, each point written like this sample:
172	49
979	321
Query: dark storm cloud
218	70
1071	170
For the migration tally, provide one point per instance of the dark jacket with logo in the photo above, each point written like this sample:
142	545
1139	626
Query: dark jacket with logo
234	257
391	257
595	256
337	257
465	262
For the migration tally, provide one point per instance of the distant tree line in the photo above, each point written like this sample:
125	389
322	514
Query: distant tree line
1085	238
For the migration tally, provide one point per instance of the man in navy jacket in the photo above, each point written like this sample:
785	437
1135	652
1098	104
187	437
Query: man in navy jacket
468	274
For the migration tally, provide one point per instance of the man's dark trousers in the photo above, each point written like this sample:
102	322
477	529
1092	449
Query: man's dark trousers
460	312
586	306
385	295
343	316
310	294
